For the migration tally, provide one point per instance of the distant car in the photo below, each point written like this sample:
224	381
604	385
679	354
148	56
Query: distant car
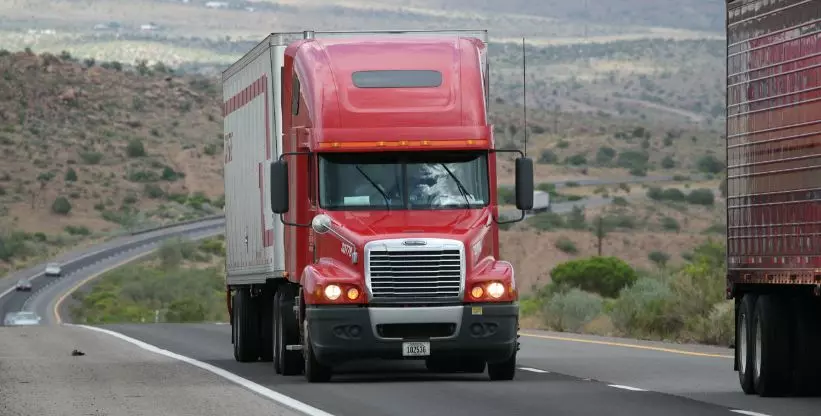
21	318
23	285
53	269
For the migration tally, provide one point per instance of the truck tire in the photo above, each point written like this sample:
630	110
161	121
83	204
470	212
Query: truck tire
807	342
745	354
504	370
246	346
290	362
315	372
771	334
266	326
277	339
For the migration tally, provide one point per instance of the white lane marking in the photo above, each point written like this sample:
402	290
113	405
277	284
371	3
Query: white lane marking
533	370
619	386
748	413
248	384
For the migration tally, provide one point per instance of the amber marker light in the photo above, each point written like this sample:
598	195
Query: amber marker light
477	292
353	293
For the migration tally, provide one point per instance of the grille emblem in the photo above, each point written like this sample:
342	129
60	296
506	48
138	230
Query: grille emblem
414	242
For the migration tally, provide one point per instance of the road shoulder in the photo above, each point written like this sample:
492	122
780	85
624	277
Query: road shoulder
39	376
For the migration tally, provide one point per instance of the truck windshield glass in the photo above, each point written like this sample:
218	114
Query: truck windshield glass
403	180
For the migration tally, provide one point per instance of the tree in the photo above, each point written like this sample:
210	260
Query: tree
61	206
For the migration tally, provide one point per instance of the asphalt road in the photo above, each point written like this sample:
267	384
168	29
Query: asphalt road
583	376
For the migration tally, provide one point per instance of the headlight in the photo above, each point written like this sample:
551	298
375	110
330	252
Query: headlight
333	292
496	290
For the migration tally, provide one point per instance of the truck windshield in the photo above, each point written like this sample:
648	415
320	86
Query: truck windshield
403	180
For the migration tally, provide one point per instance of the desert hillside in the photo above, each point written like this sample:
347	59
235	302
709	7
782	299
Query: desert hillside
86	148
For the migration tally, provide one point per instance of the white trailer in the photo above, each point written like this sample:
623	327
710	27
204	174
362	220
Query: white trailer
252	119
541	201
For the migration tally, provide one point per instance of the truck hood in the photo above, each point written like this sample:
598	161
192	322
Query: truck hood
402	224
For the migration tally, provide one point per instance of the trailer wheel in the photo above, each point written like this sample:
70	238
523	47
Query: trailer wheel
744	343
246	346
771	346
290	362
504	370
807	342
315	372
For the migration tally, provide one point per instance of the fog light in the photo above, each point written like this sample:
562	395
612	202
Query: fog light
496	290
353	293
477	292
333	292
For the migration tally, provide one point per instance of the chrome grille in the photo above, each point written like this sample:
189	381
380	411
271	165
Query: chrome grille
415	274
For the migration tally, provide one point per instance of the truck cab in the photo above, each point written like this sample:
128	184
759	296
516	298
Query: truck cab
385	185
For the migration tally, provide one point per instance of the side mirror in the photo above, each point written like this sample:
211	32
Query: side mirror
280	195
524	183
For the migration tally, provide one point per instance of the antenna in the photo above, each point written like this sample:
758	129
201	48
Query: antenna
524	89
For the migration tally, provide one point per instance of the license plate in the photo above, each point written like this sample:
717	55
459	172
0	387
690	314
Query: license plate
415	349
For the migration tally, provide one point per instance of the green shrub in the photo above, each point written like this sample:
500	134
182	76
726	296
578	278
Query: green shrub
61	206
547	157
701	196
71	175
77	230
571	310
670	224
566	245
603	275
135	148
642	309
659	257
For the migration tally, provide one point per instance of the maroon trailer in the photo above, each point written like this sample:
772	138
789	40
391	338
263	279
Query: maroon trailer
773	192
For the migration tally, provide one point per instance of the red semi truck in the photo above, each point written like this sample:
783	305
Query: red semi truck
361	207
773	192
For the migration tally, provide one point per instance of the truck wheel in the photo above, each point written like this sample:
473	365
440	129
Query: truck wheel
266	327
771	346
277	338
290	362
807	342
504	370
246	346
744	343
315	372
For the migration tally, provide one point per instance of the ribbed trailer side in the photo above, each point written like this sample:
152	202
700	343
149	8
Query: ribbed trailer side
774	188
253	138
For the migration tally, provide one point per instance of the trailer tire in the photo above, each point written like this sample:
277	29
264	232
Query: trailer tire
290	362
744	343
807	342
771	334
246	345
504	370
315	372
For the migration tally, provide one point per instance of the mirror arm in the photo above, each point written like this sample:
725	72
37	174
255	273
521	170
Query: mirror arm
497	221
282	218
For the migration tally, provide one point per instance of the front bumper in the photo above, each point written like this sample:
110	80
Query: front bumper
344	333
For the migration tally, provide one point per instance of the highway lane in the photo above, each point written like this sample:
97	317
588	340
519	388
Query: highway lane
556	376
101	256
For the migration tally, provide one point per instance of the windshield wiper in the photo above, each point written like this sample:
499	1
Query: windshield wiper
459	185
387	201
